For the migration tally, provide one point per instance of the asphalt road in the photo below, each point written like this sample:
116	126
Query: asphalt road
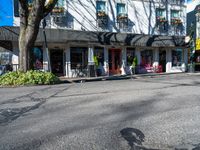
135	114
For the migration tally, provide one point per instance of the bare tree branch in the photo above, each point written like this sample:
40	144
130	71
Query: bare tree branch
49	6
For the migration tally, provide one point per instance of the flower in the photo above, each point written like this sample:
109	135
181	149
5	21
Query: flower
122	16
101	13
58	10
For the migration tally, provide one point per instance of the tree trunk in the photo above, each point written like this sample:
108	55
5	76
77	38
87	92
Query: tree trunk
29	27
23	49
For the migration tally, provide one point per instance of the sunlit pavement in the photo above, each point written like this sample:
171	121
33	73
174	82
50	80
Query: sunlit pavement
160	112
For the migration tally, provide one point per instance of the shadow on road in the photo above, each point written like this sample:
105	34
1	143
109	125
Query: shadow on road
134	137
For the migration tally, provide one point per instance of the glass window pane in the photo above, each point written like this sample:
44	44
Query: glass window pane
177	56
100	6
121	8
60	3
146	58
130	56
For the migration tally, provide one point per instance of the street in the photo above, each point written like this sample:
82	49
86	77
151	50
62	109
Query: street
147	113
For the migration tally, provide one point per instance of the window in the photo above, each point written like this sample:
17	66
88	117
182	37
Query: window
16	8
99	54
100	6
130	56
160	12
147	58
177	57
60	3
121	8
79	57
36	59
175	14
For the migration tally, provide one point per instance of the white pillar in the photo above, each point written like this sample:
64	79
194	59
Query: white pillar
169	60
91	55
138	55
46	59
106	66
155	57
68	62
124	61
185	60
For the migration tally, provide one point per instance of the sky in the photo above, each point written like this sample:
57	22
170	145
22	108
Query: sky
191	4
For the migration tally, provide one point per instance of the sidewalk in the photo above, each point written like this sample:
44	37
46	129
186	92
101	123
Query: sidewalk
120	77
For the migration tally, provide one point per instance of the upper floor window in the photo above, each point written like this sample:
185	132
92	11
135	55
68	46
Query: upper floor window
59	8
161	21
160	12
175	17
177	2
175	14
60	3
121	9
102	18
100	6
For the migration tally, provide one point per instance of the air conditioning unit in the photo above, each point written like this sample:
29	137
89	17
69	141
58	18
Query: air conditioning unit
58	19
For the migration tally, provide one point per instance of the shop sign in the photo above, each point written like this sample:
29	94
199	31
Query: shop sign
198	44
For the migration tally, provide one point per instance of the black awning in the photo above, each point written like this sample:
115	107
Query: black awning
103	38
7	45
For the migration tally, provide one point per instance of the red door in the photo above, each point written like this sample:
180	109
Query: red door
114	61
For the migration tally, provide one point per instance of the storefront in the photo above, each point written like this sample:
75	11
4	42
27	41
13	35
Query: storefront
84	54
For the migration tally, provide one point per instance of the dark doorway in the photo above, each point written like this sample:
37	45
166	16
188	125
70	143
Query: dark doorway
114	61
162	60
56	57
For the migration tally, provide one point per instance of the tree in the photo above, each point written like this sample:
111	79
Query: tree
30	18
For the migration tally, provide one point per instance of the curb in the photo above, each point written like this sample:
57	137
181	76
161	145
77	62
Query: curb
120	77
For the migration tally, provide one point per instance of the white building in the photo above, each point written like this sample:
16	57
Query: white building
108	34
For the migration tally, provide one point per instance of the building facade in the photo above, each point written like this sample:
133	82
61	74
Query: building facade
108	37
193	27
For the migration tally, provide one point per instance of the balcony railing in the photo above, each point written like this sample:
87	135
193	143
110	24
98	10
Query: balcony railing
161	20
58	10
102	19
177	2
122	16
176	21
122	21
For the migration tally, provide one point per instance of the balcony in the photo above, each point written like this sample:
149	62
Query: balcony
122	21
177	2
122	16
102	19
176	21
57	10
161	20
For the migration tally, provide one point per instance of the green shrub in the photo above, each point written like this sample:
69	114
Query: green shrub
31	77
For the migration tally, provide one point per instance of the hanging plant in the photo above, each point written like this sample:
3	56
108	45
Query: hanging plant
176	21
101	13
122	16
58	10
161	19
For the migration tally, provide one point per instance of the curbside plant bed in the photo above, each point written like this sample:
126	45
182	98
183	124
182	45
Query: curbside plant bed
32	77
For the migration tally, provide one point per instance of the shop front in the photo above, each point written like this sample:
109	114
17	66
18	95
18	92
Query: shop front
84	54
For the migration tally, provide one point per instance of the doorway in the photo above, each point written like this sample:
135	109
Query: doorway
114	61
162	60
56	57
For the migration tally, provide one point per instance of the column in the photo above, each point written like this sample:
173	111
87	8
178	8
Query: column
106	66
169	60
91	64
138	55
156	57
46	59
124	61
68	62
